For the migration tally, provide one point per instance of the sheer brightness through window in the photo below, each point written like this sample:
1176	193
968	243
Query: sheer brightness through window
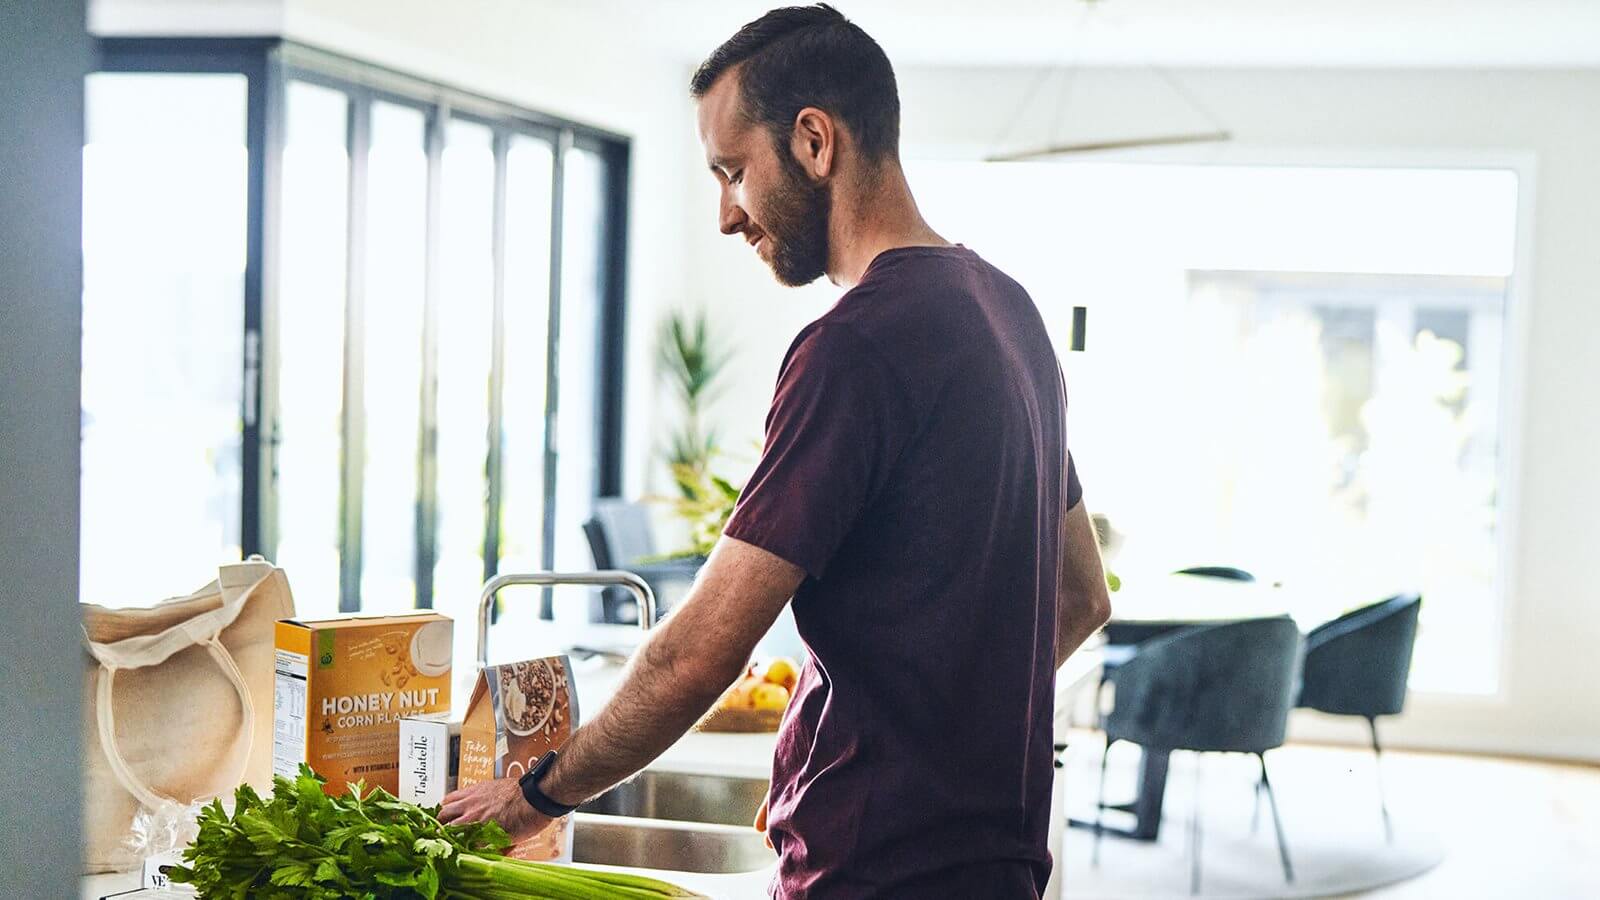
1295	370
163	322
311	318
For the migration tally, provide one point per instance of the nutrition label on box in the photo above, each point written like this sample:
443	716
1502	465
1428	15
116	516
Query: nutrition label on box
289	713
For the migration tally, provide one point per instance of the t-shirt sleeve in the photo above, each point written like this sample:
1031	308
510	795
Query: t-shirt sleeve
1074	488
837	422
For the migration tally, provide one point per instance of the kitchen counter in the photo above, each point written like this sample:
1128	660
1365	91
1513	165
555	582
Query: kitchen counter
720	887
738	755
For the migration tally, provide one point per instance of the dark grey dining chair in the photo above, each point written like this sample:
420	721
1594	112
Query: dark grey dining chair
1123	638
621	536
1224	688
1358	665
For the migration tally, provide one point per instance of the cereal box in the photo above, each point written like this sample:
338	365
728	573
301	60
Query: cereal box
342	687
518	713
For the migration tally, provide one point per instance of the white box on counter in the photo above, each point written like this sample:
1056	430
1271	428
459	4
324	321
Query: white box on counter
429	758
155	872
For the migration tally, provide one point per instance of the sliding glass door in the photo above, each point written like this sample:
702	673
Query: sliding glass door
333	315
164	232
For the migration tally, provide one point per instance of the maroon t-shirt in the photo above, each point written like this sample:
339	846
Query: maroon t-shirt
916	468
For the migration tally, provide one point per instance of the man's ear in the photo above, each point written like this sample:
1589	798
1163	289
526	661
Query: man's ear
814	142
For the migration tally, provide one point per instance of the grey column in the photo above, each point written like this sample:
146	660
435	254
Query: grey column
45	53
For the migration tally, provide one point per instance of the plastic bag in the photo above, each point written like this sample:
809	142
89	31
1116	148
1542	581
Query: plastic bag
171	826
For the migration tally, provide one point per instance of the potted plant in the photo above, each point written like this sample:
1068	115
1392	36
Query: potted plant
693	363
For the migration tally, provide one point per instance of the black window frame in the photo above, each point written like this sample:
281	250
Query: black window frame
268	65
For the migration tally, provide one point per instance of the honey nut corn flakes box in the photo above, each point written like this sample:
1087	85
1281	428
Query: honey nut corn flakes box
343	685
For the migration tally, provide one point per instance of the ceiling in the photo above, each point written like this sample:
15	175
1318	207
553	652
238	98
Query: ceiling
1369	33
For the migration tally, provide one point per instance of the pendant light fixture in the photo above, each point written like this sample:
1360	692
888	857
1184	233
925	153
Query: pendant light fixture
1215	132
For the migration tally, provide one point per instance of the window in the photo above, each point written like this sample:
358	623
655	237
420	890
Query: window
1296	370
313	256
466	370
1365	458
356	330
164	174
577	437
521	517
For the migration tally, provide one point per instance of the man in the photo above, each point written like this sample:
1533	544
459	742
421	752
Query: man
915	498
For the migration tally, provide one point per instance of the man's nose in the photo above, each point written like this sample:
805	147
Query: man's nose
730	218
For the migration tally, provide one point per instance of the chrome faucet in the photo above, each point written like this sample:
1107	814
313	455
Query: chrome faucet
605	578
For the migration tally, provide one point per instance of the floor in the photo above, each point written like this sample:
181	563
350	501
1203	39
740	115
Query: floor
1512	828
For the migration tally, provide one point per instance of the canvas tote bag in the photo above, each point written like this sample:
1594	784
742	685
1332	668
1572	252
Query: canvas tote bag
178	703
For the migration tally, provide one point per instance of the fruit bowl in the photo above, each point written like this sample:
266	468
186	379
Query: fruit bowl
757	701
736	720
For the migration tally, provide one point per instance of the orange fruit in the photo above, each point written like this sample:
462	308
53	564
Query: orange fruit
770	696
739	696
782	670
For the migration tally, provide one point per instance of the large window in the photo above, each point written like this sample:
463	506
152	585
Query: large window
334	315
164	234
1295	370
313	251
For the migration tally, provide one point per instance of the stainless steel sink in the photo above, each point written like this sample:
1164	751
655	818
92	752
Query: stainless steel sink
684	798
655	844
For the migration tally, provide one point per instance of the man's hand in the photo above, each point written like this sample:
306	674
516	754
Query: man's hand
1082	603
761	823
499	800
680	670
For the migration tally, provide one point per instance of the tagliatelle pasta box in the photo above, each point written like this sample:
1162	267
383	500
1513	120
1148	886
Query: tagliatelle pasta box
517	714
343	685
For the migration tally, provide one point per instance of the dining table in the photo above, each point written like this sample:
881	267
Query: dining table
1147	605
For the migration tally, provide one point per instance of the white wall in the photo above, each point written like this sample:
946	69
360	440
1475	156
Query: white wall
1550	704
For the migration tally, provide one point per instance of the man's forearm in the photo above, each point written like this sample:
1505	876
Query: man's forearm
658	702
679	671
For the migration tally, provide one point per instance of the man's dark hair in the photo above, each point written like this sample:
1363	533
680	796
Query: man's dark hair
800	56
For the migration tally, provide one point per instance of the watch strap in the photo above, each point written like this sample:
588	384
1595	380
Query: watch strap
537	798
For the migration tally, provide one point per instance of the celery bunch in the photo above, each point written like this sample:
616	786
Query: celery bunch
305	845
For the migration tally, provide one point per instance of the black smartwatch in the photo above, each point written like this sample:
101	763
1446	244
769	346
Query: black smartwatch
539	799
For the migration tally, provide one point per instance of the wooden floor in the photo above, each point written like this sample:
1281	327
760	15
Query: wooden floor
1513	828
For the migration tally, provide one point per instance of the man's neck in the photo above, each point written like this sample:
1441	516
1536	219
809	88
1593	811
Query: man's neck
881	219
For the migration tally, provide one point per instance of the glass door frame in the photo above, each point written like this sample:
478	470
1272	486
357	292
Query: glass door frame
248	57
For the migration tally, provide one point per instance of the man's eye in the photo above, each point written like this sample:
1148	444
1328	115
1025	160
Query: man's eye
736	177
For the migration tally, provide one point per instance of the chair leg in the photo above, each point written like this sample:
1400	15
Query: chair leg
1194	831
1099	703
1255	809
1100	808
1277	823
1377	756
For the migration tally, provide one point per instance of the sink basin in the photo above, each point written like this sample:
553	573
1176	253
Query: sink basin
682	846
679	797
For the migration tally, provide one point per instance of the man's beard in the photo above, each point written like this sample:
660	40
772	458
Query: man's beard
797	226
